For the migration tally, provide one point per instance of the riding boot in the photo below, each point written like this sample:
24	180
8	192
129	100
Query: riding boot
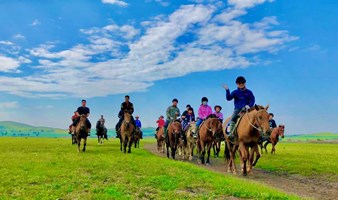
156	136
232	129
117	134
88	131
141	135
73	129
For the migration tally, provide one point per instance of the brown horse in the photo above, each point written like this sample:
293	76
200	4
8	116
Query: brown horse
219	137
250	126
81	132
274	138
206	138
174	134
127	129
160	139
137	138
190	144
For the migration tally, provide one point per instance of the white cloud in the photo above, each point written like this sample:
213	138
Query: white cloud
6	42
246	3
8	64
19	37
116	2
35	23
9	105
121	59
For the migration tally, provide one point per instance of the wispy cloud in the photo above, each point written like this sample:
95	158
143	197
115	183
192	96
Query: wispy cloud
121	59
6	42
35	23
19	36
116	2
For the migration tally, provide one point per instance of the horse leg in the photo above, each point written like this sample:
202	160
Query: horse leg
202	152
120	144
130	144
265	145
273	148
84	144
125	143
208	158
167	144
243	151
78	144
251	157
257	156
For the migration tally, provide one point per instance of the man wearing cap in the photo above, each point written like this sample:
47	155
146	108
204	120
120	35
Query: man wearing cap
138	125
172	113
126	107
82	110
243	99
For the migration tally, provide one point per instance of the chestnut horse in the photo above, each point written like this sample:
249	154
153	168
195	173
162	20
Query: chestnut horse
206	137
127	129
160	140
274	138
248	131
81	132
174	134
190	144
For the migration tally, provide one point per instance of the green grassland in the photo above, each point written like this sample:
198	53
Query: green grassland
15	129
316	137
317	160
47	168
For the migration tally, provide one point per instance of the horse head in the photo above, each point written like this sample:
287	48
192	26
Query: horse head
192	127
82	123
176	128
214	125
262	119
281	130
127	119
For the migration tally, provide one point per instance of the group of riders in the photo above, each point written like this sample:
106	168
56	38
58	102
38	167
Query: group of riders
243	98
126	107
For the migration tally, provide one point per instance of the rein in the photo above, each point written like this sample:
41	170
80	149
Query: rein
258	129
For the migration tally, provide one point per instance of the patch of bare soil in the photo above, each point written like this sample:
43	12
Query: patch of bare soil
292	184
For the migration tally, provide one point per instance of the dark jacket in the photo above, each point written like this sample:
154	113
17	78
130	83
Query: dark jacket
241	97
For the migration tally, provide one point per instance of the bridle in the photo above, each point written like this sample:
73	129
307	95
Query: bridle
259	128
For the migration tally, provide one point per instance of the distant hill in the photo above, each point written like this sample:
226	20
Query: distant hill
312	137
16	129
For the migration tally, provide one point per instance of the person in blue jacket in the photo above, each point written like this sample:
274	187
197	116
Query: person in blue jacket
243	98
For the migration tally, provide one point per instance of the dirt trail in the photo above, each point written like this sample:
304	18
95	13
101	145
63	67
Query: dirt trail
291	184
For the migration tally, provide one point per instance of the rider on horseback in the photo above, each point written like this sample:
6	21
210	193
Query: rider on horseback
218	113
82	110
172	113
128	107
188	117
243	98
272	121
139	126
203	112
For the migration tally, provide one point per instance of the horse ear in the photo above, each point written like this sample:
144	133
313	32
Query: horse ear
267	107
256	107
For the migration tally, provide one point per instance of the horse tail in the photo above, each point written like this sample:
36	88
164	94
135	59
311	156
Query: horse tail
226	151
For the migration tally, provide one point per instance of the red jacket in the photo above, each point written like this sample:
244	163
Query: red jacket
160	122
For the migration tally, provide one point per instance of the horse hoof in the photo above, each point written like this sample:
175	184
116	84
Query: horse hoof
207	164
234	173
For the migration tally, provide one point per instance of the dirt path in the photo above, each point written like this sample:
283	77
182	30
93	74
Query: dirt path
299	185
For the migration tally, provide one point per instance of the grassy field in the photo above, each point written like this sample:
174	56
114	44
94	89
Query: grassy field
43	168
317	137
307	159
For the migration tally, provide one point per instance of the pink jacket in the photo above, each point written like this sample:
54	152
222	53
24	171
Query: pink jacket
219	115
204	111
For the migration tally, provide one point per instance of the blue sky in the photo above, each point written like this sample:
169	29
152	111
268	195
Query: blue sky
54	54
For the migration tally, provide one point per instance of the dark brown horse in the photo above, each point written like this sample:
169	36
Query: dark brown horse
137	138
101	132
248	131
127	129
274	138
81	132
174	134
206	137
160	140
